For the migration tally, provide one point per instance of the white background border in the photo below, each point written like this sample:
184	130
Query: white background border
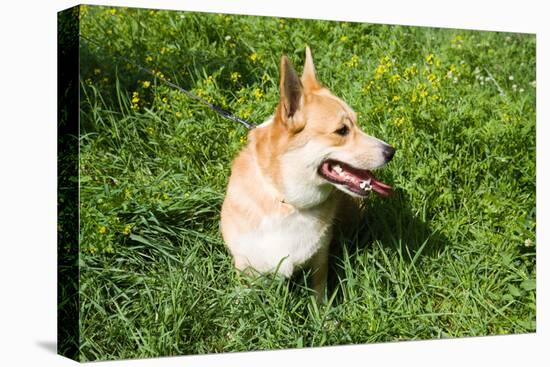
28	181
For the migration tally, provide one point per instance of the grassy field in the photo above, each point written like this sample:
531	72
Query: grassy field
451	255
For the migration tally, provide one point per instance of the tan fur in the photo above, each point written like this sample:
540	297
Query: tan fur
274	187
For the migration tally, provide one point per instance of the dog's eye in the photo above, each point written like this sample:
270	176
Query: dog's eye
343	131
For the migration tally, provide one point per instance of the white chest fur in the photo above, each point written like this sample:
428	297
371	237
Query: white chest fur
284	243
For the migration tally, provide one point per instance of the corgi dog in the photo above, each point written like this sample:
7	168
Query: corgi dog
295	177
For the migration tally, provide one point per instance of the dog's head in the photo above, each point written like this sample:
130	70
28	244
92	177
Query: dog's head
319	143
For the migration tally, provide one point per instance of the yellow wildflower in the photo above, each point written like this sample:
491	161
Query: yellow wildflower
258	93
395	99
146	84
235	76
420	92
395	78
410	71
367	88
148	59
178	114
102	230
457	41
246	113
451	71
127	229
353	62
399	121
380	71
201	92
344	39
434	80
430	58
254	57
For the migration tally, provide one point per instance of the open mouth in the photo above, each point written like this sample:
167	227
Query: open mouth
358	181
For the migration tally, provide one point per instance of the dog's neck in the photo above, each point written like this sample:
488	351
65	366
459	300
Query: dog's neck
269	145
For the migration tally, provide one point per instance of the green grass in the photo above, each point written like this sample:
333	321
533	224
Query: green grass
451	255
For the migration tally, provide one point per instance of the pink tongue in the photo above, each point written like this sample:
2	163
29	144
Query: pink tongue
380	184
381	188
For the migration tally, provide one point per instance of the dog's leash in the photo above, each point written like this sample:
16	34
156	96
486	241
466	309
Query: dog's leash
221	111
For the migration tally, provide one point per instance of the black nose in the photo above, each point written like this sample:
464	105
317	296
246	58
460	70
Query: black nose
388	152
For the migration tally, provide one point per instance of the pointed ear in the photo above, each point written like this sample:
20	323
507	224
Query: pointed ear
309	80
291	91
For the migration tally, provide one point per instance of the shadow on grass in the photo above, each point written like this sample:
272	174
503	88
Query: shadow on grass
393	224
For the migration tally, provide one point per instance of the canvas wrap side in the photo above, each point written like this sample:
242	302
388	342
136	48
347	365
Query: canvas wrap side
68	336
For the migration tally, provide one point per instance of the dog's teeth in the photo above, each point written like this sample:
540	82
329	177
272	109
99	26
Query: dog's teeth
365	185
340	171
